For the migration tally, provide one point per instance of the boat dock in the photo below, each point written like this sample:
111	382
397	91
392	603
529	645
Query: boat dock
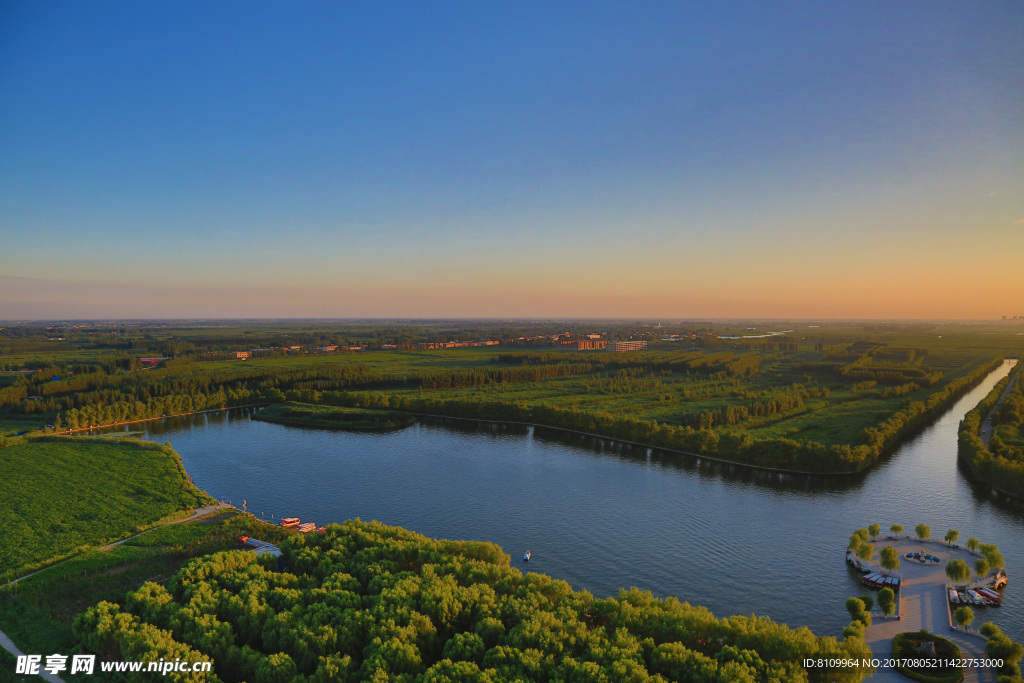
259	547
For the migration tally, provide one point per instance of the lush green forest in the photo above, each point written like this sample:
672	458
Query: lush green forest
818	400
38	612
368	602
1008	440
63	493
1001	463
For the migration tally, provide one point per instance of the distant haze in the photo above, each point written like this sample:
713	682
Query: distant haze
457	159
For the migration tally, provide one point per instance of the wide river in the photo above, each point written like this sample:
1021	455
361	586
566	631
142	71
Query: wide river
602	515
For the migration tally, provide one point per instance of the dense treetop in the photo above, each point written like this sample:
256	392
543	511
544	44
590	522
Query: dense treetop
368	602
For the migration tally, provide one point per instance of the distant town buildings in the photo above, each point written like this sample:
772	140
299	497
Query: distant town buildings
585	345
537	338
622	346
242	355
431	346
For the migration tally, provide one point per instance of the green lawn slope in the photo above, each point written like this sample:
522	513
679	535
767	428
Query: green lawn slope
61	493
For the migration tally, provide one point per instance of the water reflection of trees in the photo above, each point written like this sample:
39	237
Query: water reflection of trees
667	461
983	494
603	447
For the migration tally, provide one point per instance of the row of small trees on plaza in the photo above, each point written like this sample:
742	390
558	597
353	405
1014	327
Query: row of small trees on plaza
999	646
957	570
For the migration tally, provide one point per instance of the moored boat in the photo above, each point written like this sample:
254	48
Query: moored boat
527	555
875	580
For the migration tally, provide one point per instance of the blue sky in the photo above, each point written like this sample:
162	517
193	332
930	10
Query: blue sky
487	160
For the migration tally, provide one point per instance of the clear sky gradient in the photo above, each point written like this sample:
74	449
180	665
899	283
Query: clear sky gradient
470	159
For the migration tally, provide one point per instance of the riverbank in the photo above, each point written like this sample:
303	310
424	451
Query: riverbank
734	447
799	458
1003	475
597	513
160	417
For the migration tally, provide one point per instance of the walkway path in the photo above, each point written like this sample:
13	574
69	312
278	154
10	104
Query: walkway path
924	606
199	512
986	426
7	644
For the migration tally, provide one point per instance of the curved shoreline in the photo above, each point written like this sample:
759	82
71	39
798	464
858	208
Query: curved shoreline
763	468
404	420
892	448
162	417
641	445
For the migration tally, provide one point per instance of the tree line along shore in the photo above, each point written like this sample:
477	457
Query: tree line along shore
823	409
363	600
1000	463
360	601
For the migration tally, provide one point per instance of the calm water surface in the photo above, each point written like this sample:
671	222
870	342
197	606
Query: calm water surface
602	515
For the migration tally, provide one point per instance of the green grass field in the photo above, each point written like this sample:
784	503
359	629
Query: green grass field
64	493
64	590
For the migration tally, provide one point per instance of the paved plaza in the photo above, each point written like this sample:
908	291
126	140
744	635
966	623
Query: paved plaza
923	605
